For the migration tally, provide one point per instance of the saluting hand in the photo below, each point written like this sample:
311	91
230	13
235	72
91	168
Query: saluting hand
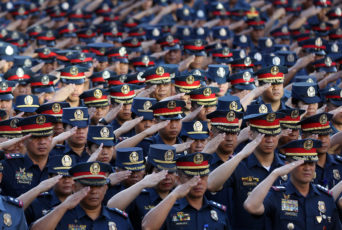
183	189
73	200
286	169
250	147
156	127
192	115
182	147
111	115
47	184
153	179
93	157
117	177
212	145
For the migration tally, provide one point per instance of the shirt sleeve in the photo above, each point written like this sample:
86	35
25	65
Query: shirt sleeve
269	204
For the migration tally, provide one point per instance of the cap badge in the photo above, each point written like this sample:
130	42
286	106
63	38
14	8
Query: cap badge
247	61
268	42
200	31
246	76
323	119
243	39
97	93
66	161
125	89
168	156
274	70
198	158
328	61
160	71
186	32
271	117
104	132
41	119
78	115
198	127
233	106
311	92
308	144
198	43
222	32
263	109
171	105
230	116
318	42
95	168
207	92
14	122
134	157
122	51
225	51
27	63
9	50
290	58
221	72
294	113
105	74
45	80
147	105
155	32
276	60
3	86
56	108
74	70
28	100
145	60
20	72
190	79
169	39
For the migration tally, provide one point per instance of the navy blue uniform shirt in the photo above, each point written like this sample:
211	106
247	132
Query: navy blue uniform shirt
285	208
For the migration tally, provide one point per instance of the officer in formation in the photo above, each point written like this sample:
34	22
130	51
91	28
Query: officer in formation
176	114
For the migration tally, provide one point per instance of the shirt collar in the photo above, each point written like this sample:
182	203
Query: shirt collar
154	196
27	161
291	189
183	203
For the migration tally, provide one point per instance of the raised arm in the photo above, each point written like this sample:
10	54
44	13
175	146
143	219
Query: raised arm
124	198
254	203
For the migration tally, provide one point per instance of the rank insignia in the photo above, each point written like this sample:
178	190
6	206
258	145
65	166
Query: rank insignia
23	177
321	206
7	219
213	215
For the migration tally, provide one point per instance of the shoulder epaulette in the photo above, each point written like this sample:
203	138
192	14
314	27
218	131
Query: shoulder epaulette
14	201
147	139
122	213
338	158
278	188
217	205
323	189
13	156
144	191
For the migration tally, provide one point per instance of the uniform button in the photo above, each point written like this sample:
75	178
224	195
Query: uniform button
290	226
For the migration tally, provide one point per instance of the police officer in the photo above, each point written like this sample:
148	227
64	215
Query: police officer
20	173
46	201
299	204
147	193
84	208
186	206
12	214
246	170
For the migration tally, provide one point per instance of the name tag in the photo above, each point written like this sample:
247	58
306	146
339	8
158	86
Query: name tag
77	227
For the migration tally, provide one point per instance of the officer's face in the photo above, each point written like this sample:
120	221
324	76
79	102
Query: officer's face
197	146
106	155
49	67
99	113
22	90
223	89
101	66
79	138
294	135
74	96
274	92
38	146
173	57
58	128
122	68
256	34
325	139
172	130
94	197
64	186
228	145
6	105
310	108
144	124
304	173
168	183
268	144
125	113
198	62
197	191
162	91
135	177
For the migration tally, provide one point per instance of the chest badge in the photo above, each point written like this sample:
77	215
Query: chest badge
7	219
213	214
